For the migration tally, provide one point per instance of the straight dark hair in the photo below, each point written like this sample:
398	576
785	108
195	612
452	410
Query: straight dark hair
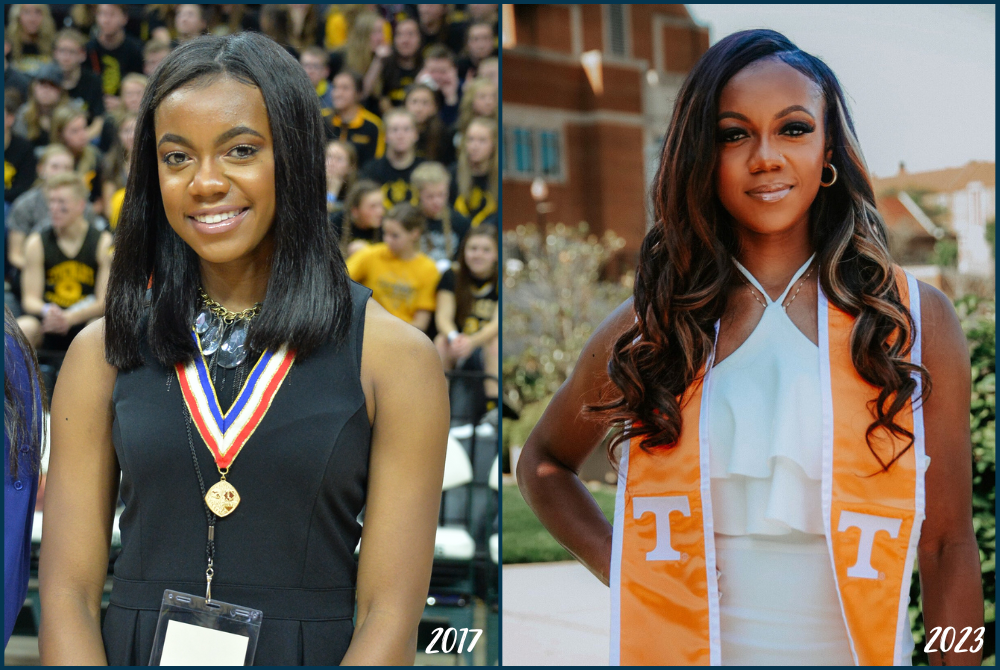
308	300
22	425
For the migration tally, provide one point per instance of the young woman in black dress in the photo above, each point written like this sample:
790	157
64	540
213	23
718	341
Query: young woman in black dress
225	221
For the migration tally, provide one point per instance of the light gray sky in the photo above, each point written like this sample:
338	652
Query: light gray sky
920	79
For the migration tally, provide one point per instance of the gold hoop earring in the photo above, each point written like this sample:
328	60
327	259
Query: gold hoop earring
833	169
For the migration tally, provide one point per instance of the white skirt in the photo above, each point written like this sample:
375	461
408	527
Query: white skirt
779	603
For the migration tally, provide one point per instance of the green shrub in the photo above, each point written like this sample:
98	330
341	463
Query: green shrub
979	323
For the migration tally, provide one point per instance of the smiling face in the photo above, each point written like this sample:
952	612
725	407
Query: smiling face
771	147
481	255
216	169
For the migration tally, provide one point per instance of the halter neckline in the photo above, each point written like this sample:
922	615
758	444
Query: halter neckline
784	293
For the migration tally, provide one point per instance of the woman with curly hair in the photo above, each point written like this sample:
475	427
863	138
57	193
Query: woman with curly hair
782	460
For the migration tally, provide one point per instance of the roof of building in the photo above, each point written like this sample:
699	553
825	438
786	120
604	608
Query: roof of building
947	180
898	218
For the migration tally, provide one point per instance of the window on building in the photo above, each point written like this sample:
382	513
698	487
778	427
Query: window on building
532	152
549	141
616	30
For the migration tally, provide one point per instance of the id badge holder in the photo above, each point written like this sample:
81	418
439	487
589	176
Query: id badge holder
194	631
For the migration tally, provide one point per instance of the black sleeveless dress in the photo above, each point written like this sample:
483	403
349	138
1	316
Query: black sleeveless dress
288	549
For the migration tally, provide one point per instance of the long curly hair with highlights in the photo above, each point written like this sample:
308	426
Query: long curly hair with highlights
685	264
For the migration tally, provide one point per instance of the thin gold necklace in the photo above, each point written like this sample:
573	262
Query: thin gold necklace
802	281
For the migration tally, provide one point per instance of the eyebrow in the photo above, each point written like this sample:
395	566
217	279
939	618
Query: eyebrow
221	139
785	112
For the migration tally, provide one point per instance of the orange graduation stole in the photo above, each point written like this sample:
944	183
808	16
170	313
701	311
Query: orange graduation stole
664	589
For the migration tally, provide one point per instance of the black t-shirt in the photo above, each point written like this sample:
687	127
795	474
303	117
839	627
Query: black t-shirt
480	205
436	245
395	183
452	35
395	81
336	219
112	65
19	167
90	91
485	297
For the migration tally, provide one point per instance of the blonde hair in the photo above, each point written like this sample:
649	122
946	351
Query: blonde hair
399	111
62	117
463	173
71	180
33	113
465	111
78	38
137	78
358	51
46	33
52	150
429	174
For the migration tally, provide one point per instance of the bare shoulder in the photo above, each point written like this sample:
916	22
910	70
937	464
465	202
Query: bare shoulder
86	379
394	351
87	349
942	340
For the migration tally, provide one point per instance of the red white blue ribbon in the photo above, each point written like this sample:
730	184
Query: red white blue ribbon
225	433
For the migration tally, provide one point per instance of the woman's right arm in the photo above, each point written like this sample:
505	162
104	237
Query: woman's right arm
81	492
547	471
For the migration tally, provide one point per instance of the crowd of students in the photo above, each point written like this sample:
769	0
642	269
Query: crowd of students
409	94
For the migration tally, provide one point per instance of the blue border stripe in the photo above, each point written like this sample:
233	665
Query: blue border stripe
206	385
248	389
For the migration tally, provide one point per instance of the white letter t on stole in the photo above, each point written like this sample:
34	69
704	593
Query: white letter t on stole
869	524
661	507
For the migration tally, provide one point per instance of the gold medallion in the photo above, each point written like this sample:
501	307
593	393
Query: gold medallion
222	498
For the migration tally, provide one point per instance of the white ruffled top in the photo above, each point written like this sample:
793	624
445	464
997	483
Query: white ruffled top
778	601
765	422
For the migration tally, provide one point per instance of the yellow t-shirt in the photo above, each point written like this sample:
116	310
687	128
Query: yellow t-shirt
402	287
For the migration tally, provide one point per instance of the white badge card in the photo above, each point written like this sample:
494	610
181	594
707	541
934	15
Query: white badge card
194	631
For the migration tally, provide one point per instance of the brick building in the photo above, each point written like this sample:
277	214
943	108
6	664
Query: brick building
596	150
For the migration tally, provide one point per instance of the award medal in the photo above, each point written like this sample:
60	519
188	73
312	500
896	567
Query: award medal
225	434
